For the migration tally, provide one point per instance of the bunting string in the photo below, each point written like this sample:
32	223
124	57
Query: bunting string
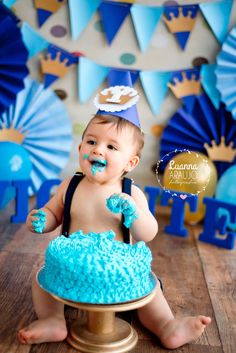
179	19
185	84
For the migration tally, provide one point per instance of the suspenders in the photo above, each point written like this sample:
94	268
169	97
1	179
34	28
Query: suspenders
126	188
76	179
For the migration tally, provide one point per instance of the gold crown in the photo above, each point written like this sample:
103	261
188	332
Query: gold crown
55	66
49	5
180	23
186	87
11	135
104	99
221	152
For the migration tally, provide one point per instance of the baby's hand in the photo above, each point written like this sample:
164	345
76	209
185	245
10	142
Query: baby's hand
123	203
37	220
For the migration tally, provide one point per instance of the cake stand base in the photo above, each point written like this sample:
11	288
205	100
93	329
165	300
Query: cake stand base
122	338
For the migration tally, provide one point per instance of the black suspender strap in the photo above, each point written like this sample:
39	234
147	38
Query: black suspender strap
76	179
126	188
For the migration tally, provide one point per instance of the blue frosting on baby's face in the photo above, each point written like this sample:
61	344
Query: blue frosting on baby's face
40	221
96	268
85	156
98	165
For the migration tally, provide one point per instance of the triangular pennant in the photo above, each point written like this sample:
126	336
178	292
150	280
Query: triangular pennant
56	64
34	42
217	14
116	76
182	38
208	79
90	76
180	21
186	84
81	12
113	15
155	86
46	8
145	20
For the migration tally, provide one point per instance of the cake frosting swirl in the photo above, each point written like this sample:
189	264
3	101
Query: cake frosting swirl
95	268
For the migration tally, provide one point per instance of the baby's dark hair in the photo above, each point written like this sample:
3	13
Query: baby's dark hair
120	124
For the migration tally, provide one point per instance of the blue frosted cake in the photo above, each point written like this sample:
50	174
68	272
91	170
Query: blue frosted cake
95	268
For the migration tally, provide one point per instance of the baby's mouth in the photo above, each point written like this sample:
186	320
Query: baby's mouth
99	163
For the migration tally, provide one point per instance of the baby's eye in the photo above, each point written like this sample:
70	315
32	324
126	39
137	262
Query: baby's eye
111	147
91	142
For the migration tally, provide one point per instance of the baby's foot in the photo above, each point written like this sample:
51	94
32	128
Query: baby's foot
52	329
178	332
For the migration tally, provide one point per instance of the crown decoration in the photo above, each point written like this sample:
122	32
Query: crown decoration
116	98
221	152
181	22
186	86
49	5
10	134
56	66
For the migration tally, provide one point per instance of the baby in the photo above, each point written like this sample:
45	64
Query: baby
111	147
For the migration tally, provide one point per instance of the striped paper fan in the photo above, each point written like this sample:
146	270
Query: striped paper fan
226	72
191	130
40	115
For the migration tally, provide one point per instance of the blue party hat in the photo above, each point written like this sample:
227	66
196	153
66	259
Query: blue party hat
119	99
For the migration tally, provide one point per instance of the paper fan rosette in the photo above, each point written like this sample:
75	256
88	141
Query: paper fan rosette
13	57
42	120
226	72
205	129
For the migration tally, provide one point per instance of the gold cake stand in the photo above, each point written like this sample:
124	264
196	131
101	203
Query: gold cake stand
103	332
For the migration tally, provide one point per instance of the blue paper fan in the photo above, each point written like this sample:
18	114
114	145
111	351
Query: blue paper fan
226	72
190	130
40	115
13	57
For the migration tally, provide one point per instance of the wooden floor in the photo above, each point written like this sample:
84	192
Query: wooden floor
198	279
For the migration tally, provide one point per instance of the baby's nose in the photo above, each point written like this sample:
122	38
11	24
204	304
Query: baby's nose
98	151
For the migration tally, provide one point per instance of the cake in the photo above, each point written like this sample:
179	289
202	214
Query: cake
95	268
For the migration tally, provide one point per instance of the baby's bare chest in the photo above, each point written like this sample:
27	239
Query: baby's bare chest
89	203
89	211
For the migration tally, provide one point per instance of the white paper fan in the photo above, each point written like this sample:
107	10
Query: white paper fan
40	115
226	72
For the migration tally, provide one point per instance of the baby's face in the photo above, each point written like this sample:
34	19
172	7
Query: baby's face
106	153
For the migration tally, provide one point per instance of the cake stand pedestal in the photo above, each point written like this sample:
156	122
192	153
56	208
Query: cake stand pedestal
104	332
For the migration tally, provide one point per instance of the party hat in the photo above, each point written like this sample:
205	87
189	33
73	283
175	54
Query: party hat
120	98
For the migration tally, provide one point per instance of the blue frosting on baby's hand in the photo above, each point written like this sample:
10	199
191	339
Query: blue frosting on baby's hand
40	221
118	204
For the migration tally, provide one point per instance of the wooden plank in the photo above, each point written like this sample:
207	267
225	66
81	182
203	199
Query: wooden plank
61	347
144	346
16	309
219	266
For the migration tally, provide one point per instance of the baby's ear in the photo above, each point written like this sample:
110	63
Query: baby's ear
79	147
133	162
